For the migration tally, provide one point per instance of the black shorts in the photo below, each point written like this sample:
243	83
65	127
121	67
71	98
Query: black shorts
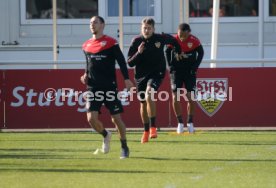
96	98
178	78
153	80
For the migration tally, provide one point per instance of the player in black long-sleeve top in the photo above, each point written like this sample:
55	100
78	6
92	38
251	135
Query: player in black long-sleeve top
146	53
101	53
184	72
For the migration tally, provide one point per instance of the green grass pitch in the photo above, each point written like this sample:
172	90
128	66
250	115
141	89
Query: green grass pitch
205	159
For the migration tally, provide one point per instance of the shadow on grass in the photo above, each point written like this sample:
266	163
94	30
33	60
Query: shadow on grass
90	171
247	143
205	142
52	140
205	160
44	150
46	156
244	132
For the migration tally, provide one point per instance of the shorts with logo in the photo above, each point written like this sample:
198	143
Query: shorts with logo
186	77
96	98
153	80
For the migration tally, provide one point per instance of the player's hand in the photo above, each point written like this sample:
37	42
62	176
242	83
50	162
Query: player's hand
183	55
128	84
141	47
84	78
178	57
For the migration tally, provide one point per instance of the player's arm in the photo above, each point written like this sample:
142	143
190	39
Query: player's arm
169	53
200	54
134	53
86	59
172	41
84	77
121	61
122	64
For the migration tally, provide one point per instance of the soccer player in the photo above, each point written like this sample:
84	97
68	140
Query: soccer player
146	53
101	51
184	72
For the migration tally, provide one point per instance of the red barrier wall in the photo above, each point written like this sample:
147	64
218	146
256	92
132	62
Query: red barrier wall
252	102
253	98
2	100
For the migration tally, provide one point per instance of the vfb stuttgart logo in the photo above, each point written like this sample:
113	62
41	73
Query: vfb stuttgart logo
211	94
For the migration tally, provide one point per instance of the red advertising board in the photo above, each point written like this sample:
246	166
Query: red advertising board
39	99
27	107
253	98
26	104
2	118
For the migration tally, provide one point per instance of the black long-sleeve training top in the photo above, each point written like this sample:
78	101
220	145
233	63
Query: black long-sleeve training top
152	59
101	55
193	54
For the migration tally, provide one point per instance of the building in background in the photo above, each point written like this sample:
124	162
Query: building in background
26	26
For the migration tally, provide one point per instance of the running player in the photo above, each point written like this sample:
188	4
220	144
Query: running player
184	72
146	53
101	51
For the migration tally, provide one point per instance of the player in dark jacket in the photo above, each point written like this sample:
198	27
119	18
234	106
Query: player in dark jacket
146	53
184	72
101	52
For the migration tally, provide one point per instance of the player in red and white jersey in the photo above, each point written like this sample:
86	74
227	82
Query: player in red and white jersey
101	53
184	72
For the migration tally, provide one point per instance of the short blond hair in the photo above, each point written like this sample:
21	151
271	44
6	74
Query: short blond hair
149	21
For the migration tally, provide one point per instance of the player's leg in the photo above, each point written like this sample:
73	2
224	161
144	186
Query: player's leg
176	84
190	108
117	120
153	85
151	104
190	113
145	121
190	84
144	115
96	124
115	108
177	107
151	110
141	86
93	109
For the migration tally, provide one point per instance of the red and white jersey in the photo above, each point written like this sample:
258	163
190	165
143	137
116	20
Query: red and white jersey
192	52
189	44
97	45
101	55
